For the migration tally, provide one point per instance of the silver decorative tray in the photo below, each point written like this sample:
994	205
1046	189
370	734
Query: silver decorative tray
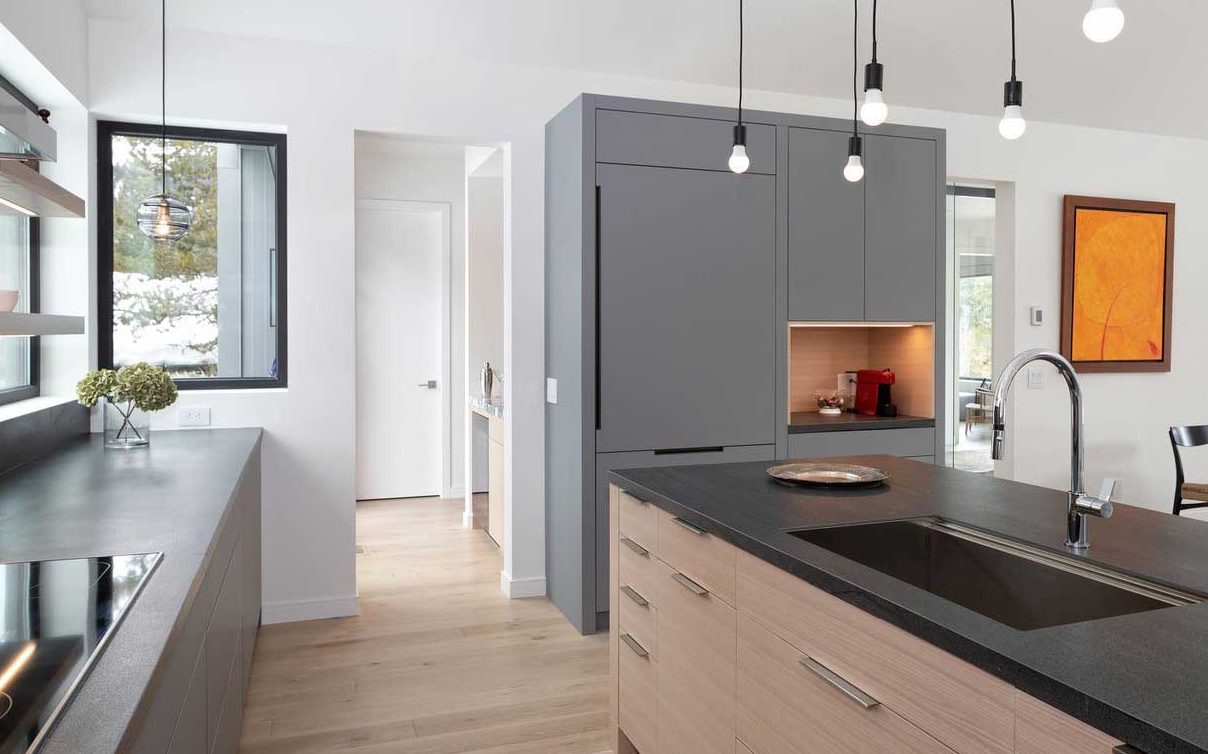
828	475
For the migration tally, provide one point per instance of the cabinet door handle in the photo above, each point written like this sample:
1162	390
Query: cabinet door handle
851	690
634	546
632	643
690	527
632	594
689	584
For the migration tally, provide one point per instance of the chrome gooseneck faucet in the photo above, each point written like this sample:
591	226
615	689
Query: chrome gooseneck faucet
1080	504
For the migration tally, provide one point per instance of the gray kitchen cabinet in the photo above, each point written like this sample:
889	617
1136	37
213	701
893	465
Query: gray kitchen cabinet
606	462
196	702
190	737
901	228
826	230
687	284
670	141
670	283
910	442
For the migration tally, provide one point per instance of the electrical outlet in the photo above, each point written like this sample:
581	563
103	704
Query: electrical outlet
193	416
551	390
1035	379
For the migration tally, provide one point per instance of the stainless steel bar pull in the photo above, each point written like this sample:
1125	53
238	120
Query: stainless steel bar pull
851	690
633	594
690	527
632	643
634	546
689	584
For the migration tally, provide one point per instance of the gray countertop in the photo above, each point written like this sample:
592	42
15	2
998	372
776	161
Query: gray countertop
804	422
84	500
1142	678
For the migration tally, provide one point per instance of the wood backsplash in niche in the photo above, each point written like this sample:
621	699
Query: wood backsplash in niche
818	354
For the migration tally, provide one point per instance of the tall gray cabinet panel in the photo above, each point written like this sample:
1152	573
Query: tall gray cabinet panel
670	283
826	230
687	266
900	229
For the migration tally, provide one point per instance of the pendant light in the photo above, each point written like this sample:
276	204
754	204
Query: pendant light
1012	124
874	112
739	162
1104	21
853	171
163	217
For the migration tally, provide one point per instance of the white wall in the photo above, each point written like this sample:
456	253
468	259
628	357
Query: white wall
322	95
484	266
44	50
388	167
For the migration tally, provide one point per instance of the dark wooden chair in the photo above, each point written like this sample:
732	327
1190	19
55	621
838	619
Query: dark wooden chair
1187	437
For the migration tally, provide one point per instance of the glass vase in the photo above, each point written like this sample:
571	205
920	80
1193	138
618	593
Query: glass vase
125	425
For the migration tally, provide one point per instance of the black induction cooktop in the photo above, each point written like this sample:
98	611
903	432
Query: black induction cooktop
55	618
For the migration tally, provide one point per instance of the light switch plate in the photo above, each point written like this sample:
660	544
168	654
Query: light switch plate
193	416
1036	316
551	390
1035	379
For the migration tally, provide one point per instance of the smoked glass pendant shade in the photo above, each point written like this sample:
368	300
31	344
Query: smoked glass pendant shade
164	218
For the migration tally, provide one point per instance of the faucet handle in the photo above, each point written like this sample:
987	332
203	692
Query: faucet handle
1107	489
1093	506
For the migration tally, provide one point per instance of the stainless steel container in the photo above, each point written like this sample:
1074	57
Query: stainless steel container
487	380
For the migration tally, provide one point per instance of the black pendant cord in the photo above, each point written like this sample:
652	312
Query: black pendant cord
1012	40
874	31
855	67
740	56
163	97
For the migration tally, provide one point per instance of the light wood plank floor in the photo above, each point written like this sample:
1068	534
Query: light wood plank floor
438	660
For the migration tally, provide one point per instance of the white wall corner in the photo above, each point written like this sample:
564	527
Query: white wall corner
301	610
516	589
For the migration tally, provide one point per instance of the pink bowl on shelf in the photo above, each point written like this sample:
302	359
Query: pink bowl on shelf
9	299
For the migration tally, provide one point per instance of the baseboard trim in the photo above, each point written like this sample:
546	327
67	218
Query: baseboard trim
457	490
516	589
300	610
467	519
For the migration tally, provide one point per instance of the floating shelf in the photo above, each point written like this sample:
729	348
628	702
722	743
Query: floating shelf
19	323
25	191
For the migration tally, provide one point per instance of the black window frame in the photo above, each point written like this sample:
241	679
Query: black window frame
105	131
34	388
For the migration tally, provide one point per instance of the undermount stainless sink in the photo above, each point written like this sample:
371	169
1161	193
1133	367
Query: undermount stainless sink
1013	583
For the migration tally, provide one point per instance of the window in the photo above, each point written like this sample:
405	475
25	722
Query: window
19	272
209	307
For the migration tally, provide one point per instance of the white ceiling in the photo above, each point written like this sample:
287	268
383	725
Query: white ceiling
942	54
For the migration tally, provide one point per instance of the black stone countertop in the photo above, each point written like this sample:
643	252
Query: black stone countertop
1142	678
84	500
802	422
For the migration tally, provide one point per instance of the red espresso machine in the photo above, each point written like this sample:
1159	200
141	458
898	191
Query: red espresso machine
873	394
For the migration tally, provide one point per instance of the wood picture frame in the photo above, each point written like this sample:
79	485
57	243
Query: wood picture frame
1117	284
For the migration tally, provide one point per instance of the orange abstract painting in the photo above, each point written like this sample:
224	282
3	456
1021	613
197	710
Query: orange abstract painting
1116	300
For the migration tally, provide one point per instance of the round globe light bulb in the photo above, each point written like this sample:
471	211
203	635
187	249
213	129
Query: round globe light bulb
739	162
854	169
873	112
1103	22
1012	124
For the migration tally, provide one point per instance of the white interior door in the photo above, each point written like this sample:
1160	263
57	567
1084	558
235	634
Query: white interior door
401	250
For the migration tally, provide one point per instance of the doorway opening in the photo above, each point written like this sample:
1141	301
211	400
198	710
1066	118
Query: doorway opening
429	310
970	232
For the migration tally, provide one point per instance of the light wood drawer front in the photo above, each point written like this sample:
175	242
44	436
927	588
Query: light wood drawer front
639	621
637	712
784	708
639	523
640	573
696	678
962	706
706	559
1041	729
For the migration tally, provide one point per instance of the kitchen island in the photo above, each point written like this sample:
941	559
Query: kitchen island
924	672
172	676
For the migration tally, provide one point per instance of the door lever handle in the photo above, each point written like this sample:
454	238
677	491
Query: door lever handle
429	385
